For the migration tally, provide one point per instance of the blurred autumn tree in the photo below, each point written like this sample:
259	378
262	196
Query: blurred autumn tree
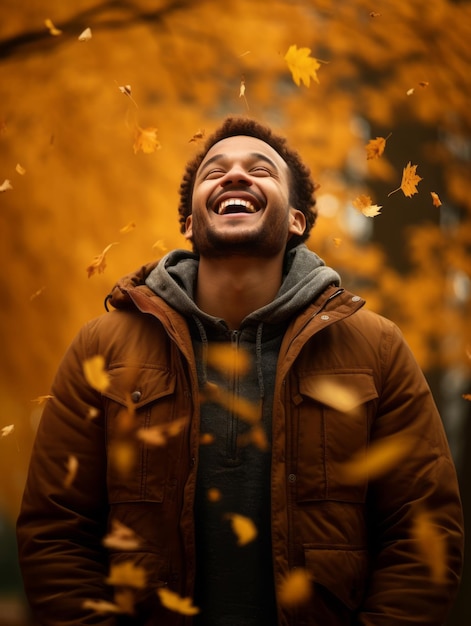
71	110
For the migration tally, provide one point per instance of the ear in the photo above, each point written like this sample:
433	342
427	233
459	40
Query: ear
297	222
188	228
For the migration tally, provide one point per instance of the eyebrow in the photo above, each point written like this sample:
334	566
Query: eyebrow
255	156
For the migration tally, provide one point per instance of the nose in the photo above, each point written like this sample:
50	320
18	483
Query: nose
236	175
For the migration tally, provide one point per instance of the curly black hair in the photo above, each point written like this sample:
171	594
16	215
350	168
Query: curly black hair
301	185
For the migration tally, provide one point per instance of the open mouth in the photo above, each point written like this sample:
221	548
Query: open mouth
235	205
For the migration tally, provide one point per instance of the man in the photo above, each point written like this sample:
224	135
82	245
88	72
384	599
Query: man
215	478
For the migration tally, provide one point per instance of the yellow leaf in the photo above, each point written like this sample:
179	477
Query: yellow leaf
174	602
243	527
158	435
7	430
127	574
121	537
160	247
20	169
72	468
6	185
377	459
364	204
52	29
435	199
146	140
302	66
410	180
296	588
99	262
431	545
375	147
128	228
95	373
101	606
86	35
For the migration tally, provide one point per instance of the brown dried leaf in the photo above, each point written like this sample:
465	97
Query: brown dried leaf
296	588
364	205
174	602
95	373
243	527
99	262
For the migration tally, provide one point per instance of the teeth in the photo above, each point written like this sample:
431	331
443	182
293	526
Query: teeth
236	202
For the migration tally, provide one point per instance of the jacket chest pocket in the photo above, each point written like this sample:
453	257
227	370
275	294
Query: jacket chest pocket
334	411
144	429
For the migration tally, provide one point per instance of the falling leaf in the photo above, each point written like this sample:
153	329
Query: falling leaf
125	89
302	66
174	602
435	199
146	140
99	262
242	88
206	439
42	399
255	435
92	413
95	373
410	180
127	574
7	430
6	185
122	456
101	606
431	545
227	358
86	35
246	410
36	294
159	247
243	527
378	459
20	169
128	228
467	396
365	205
214	495
158	435
374	14
337	241
296	588
52	29
198	136
424	84
121	538
410	91
72	468
375	147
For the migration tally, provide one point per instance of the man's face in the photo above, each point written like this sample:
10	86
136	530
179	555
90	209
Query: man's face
241	201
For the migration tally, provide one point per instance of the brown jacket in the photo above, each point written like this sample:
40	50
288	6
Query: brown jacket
354	536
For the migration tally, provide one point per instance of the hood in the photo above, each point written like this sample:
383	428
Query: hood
305	277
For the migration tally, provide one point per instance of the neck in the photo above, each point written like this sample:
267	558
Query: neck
233	288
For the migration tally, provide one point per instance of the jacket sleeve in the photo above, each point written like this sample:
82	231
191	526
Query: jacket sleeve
416	570
62	519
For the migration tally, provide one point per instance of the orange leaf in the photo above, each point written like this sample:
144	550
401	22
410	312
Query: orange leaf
296	588
174	602
72	468
128	228
410	180
99	262
375	147
364	204
435	199
302	66
127	574
243	527
467	396
51	28
146	140
431	545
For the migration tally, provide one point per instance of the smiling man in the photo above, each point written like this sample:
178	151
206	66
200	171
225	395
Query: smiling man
211	471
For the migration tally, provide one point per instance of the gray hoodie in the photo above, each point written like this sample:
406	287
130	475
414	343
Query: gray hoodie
234	583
